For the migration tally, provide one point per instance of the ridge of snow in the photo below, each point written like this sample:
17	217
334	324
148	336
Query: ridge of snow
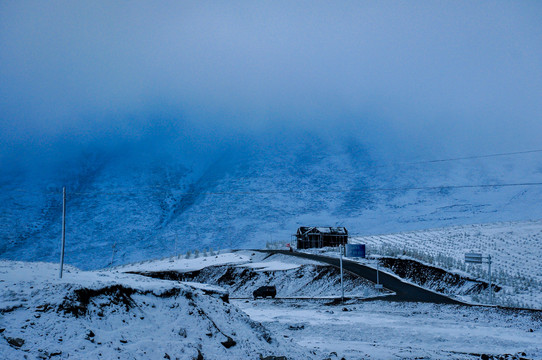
111	314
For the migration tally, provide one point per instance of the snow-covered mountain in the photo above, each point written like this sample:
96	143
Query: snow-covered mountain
128	205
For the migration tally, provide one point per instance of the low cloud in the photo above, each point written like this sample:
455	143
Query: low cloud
455	77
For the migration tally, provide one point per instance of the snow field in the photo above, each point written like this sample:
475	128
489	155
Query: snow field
515	250
241	272
184	264
110	315
382	330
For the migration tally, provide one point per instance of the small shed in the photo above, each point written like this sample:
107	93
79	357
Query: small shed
317	237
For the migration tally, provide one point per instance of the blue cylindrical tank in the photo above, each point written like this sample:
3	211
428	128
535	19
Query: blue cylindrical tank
355	250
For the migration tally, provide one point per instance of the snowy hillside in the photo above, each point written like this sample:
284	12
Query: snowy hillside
108	315
242	272
124	207
515	249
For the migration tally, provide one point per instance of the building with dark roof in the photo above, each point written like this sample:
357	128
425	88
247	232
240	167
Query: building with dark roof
318	237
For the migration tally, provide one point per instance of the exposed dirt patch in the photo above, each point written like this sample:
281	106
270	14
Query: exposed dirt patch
77	302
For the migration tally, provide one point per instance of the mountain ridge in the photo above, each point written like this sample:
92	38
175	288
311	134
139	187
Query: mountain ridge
247	194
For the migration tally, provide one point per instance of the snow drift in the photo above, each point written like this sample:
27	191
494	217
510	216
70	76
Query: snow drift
113	315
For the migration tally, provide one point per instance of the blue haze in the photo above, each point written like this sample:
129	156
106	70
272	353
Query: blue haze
188	97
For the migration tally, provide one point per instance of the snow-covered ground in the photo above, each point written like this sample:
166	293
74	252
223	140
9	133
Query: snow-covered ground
242	272
383	330
110	315
375	329
515	249
184	264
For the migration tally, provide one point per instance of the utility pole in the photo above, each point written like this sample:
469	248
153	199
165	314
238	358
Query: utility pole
341	261
490	285
63	231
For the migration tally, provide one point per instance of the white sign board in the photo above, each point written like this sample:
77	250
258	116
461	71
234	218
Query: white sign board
475	258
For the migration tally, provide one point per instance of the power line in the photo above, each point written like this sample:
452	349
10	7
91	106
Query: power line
476	157
238	179
406	163
248	178
277	192
367	189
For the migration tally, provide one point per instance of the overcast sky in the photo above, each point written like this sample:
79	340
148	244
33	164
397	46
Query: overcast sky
461	77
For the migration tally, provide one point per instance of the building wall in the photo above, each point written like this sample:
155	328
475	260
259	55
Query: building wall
320	240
